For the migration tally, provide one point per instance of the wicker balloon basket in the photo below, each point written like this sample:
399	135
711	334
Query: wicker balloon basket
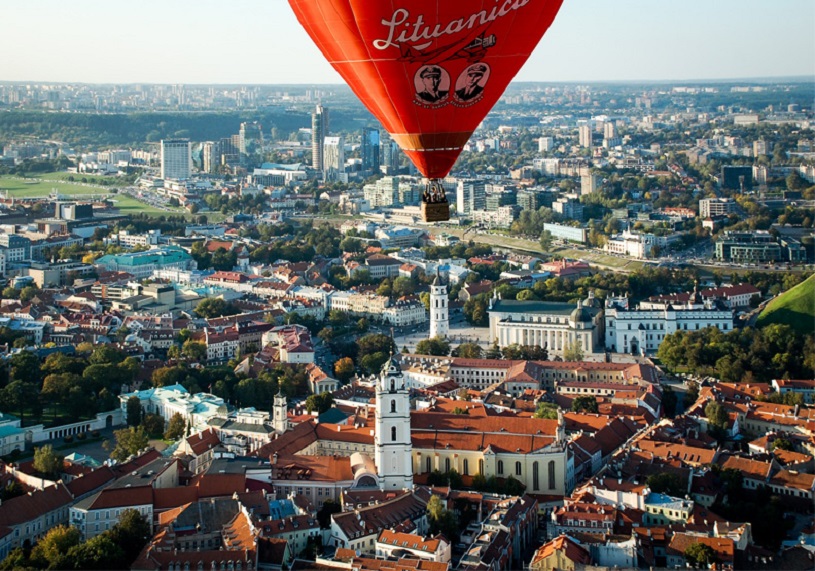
435	212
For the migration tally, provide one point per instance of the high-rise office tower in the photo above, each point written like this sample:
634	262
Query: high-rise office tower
471	195
391	156
369	149
319	129
176	159
228	151
333	157
250	137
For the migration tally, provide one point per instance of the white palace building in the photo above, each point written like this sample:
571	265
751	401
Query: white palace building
640	330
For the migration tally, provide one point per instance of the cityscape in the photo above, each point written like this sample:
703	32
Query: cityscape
232	338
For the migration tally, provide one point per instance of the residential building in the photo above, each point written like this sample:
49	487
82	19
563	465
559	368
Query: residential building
394	544
710	207
560	554
803	387
585	136
569	208
15	248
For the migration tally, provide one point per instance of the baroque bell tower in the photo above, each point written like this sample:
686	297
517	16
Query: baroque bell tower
393	460
439	312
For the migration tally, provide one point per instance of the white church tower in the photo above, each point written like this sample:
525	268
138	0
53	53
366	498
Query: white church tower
439	312
394	465
280	418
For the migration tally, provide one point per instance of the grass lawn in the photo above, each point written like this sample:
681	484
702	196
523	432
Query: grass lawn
795	308
44	184
41	186
129	205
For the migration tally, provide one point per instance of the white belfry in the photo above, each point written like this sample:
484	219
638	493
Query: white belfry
439	310
280	418
392	441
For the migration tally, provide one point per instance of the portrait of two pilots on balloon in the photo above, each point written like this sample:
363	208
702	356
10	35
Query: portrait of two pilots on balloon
432	84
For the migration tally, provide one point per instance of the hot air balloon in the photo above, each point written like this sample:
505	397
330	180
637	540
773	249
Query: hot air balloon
429	71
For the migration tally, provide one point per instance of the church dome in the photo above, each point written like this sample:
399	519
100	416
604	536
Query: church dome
580	315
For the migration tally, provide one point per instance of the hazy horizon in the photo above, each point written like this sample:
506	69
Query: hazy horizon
260	42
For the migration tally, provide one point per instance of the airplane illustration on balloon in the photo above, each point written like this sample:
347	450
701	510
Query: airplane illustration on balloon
475	49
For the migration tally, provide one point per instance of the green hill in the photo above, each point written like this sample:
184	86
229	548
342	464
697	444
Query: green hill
795	308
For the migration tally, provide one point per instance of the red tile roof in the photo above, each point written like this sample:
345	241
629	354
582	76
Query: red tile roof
567	546
33	505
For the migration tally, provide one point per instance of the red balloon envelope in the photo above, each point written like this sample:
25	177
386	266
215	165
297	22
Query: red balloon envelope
430	71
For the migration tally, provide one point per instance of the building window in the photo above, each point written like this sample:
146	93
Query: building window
393	406
517	468
535	484
446	464
393	434
551	474
466	467
428	465
500	466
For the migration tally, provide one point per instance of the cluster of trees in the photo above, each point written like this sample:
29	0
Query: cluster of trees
62	547
368	353
442	520
240	390
24	294
468	351
153	424
438	346
585	404
70	388
244	203
717	418
216	307
396	287
320	403
221	259
33	166
302	243
749	354
764	510
47	463
546	410
460	250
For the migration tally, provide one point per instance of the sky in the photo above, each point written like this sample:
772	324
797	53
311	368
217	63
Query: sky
261	42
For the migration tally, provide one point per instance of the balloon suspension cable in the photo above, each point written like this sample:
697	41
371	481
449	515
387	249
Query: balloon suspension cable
434	192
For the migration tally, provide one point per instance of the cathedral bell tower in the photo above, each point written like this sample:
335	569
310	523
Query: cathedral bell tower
393	460
439	312
280	418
